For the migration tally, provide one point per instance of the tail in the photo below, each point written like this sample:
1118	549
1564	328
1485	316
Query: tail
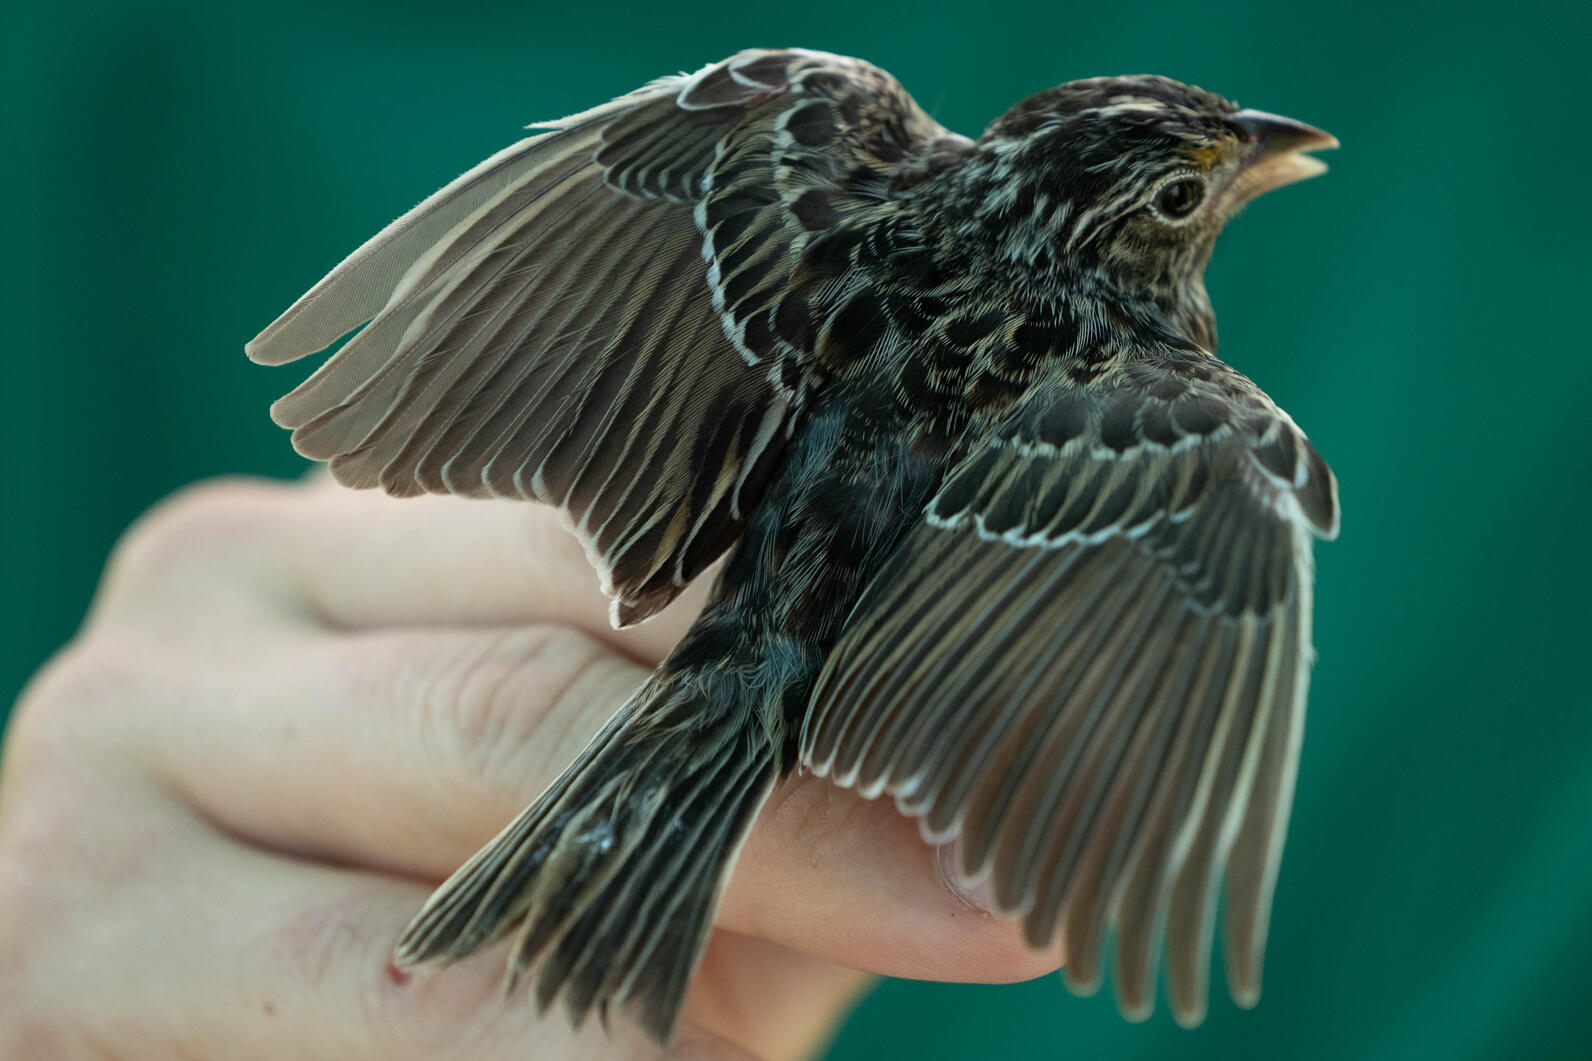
610	879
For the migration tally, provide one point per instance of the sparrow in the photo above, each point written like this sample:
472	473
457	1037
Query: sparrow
1002	538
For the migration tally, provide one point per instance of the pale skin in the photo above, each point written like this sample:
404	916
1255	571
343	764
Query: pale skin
293	709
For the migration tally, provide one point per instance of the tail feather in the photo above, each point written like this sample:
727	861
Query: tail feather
610	879
639	937
686	904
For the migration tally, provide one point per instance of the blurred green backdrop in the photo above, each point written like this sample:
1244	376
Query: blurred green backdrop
176	172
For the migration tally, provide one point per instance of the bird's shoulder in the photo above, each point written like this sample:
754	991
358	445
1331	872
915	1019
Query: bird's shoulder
1172	414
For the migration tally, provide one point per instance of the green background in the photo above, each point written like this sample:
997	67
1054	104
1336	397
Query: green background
176	173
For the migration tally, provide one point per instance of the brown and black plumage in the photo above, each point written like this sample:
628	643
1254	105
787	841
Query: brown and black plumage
1005	540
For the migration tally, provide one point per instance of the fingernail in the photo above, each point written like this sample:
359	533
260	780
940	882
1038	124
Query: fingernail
978	894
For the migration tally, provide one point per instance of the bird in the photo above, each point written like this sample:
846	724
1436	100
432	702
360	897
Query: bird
999	536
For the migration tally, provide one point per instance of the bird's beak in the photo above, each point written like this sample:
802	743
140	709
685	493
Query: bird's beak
1277	153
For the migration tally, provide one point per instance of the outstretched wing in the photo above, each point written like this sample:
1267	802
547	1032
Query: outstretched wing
590	317
1087	665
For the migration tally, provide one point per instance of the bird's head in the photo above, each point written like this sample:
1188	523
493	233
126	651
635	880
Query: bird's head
1132	179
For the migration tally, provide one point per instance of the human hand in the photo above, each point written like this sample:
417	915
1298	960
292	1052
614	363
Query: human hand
292	710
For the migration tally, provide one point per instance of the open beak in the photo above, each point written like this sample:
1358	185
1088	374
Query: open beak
1278	151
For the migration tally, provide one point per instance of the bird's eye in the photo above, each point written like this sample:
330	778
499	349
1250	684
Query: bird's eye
1177	199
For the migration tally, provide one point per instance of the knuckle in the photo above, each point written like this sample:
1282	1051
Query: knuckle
77	838
60	704
319	942
499	709
28	1031
189	525
16	945
67	776
40	843
340	946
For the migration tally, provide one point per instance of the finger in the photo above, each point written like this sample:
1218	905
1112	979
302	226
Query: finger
258	552
366	559
162	938
392	750
852	881
407	750
740	975
204	948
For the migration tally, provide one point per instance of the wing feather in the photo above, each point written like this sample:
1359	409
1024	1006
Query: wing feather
584	319
1101	702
